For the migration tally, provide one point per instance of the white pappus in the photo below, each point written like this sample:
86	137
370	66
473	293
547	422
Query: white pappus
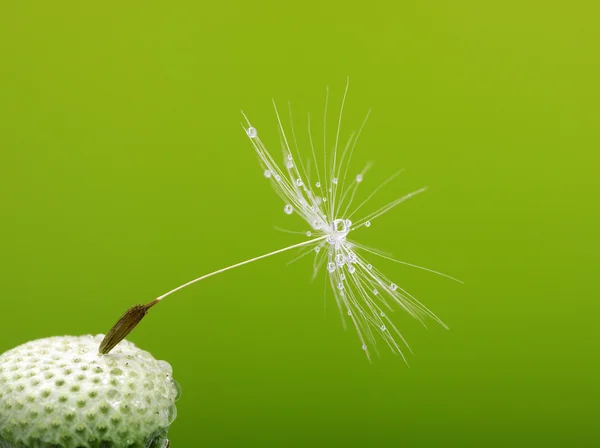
362	292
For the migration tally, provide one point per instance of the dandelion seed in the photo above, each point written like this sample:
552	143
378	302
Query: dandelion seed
361	289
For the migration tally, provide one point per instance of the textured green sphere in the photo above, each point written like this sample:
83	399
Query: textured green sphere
61	393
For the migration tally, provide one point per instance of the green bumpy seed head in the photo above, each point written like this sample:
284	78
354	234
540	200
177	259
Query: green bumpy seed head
61	393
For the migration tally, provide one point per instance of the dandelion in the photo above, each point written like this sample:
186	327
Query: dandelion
327	204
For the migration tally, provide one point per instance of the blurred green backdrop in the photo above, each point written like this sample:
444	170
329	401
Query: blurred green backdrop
124	172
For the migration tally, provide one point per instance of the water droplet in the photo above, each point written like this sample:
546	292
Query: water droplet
348	223
172	414
349	313
268	173
383	328
252	133
309	233
318	200
369	266
352	258
375	292
393	287
359	178
334	181
342	277
331	266
364	347
277	177
340	259
368	224
316	224
382	314
324	199
351	269
317	249
289	164
340	285
299	182
288	209
177	389
289	157
318	184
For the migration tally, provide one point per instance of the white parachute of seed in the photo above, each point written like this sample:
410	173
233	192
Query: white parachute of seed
360	290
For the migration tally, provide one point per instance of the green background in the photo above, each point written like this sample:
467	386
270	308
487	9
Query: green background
124	172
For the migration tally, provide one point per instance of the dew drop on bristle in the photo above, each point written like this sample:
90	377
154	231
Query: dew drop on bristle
368	224
289	164
317	249
316	224
331	266
252	133
268	173
309	233
382	314
318	184
369	266
340	260
375	292
383	328
351	269
342	277
299	182
340	285
288	209
334	181
393	287
277	177
349	313
364	347
359	178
